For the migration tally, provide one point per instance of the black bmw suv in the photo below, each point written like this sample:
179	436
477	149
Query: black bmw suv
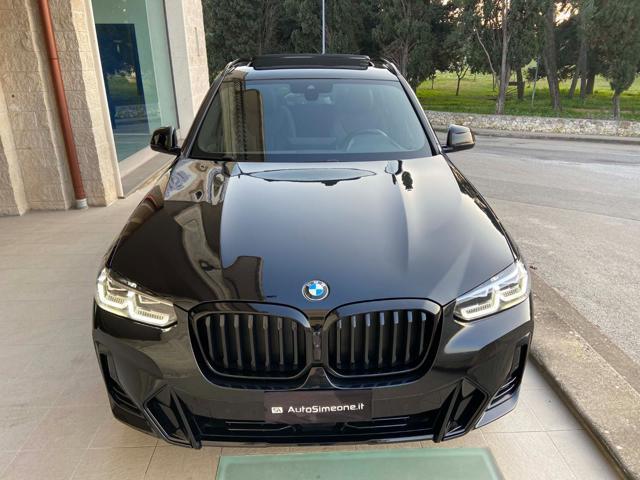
312	269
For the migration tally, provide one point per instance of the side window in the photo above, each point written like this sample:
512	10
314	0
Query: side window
210	136
234	123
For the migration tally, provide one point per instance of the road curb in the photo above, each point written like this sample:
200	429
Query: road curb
601	398
550	136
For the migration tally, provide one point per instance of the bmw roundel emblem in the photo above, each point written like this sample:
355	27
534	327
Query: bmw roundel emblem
315	290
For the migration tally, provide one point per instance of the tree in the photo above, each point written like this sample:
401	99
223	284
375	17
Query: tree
456	46
349	26
267	16
595	63
576	53
229	35
480	21
404	33
618	32
585	14
444	20
549	53
342	25
505	71
305	17
483	58
523	45
369	13
502	30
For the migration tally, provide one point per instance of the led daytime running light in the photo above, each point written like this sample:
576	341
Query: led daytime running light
505	290
124	300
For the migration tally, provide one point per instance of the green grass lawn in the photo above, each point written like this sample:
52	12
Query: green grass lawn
477	96
124	91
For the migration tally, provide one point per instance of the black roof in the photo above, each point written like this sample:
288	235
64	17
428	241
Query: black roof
273	62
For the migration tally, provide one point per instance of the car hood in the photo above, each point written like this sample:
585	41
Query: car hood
259	231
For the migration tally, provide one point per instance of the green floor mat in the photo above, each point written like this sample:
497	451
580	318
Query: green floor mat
396	464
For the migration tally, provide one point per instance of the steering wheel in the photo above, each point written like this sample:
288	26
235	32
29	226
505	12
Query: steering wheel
347	142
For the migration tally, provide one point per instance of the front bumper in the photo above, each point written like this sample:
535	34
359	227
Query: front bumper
156	385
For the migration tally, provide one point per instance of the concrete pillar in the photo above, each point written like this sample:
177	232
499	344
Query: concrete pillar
188	57
12	198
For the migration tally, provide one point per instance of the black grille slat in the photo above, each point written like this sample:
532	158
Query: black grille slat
423	324
380	340
280	342
294	328
367	340
379	343
407	341
339	343
352	341
267	349
223	339
394	345
252	345
252	341
236	334
209	336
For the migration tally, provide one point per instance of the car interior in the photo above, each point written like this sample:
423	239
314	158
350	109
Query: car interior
311	116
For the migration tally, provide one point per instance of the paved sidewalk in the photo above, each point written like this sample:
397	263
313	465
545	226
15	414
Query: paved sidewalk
574	209
54	416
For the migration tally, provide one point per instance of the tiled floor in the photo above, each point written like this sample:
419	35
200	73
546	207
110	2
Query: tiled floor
54	418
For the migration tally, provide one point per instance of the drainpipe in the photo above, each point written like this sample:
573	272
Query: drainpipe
61	101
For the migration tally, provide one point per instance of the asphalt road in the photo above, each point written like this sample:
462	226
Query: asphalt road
574	209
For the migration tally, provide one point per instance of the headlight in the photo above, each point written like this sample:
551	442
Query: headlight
508	288
125	299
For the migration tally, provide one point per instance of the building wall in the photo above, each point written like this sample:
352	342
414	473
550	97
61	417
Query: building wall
31	135
78	64
34	172
196	51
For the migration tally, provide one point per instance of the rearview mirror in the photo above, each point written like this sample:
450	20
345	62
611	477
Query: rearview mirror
459	138
165	140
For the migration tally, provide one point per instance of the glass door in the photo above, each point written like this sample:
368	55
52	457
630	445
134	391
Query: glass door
136	68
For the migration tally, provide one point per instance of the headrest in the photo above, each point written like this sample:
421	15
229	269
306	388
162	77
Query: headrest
353	99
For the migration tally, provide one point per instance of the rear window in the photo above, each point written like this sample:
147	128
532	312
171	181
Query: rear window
310	120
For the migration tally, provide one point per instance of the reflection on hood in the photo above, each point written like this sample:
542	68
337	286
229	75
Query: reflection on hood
198	181
329	176
227	231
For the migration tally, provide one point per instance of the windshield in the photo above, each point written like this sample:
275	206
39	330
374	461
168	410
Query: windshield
310	120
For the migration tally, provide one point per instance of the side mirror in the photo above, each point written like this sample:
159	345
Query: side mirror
459	138
165	140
